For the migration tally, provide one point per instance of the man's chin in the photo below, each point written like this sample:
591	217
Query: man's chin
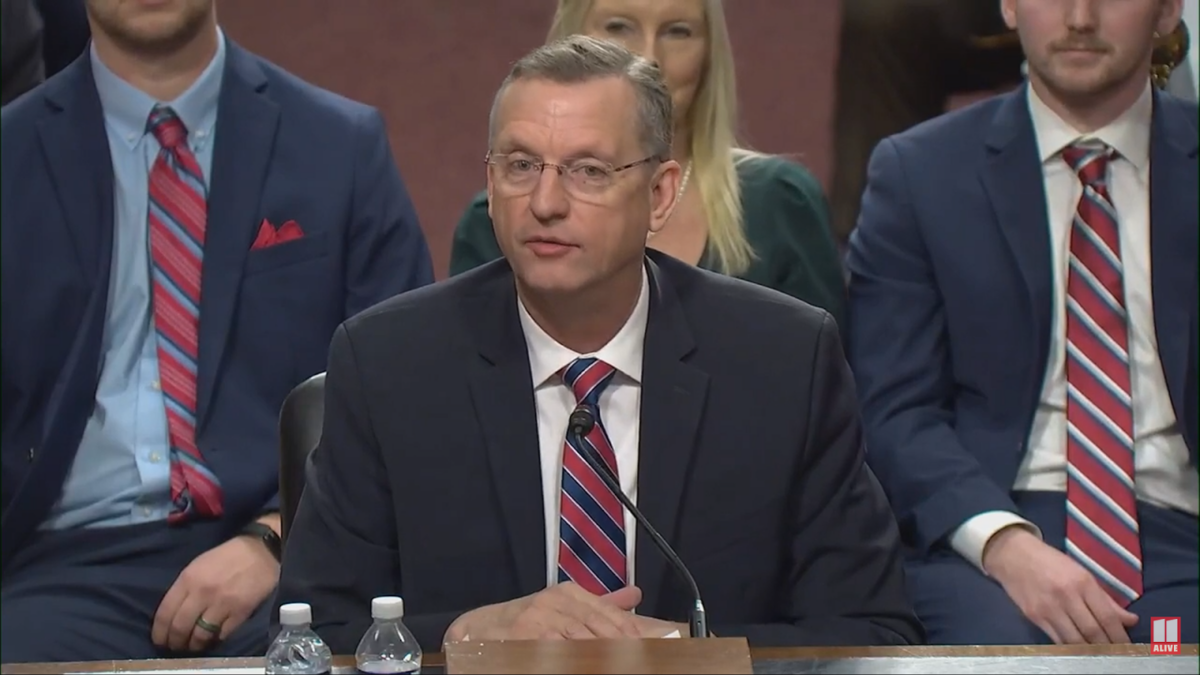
551	280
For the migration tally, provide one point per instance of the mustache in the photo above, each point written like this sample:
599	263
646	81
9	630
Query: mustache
1081	43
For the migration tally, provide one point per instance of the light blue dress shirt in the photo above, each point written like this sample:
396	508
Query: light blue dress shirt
121	473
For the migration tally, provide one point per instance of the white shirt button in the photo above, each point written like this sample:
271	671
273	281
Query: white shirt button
156	385
155	457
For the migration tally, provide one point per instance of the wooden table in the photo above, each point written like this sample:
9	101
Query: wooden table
1125	659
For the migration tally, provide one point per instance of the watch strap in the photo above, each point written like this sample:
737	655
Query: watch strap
268	537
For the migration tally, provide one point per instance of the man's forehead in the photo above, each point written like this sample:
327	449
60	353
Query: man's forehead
589	114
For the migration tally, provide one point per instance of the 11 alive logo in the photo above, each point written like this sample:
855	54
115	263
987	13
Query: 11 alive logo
1164	635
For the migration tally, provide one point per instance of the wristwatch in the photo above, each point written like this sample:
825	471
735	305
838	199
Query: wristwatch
267	536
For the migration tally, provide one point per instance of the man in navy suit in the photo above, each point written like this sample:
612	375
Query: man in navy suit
184	227
1023	331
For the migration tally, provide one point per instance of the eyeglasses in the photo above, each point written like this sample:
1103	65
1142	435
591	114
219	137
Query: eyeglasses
519	173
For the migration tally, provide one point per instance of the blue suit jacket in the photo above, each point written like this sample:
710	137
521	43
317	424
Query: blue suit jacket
285	150
951	296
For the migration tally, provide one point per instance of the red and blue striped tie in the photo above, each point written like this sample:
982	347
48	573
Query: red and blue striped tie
1102	523
591	530
178	217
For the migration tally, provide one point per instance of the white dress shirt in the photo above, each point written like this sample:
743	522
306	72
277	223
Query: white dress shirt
1162	476
620	412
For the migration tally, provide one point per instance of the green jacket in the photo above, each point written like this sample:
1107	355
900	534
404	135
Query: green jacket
786	220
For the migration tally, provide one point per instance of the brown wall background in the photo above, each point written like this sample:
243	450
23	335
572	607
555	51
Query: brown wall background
432	66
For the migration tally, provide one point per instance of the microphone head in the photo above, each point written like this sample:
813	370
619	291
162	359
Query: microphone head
582	420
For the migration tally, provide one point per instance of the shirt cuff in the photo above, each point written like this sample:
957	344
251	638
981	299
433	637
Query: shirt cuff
972	537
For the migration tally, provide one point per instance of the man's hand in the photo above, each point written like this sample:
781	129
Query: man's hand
563	611
223	586
1053	591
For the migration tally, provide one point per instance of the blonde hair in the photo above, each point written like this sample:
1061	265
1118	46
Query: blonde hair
712	120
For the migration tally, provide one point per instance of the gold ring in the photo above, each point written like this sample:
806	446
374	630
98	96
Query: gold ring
207	627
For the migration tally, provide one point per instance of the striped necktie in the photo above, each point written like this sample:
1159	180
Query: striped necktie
1102	525
591	529
178	217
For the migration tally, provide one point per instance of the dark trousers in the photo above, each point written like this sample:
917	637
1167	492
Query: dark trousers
899	61
91	595
961	606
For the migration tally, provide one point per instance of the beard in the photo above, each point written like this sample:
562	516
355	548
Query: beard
150	33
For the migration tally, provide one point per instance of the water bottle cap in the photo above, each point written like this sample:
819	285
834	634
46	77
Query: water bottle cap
387	608
295	614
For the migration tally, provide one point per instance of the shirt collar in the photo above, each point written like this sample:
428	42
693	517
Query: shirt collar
1129	134
623	352
126	108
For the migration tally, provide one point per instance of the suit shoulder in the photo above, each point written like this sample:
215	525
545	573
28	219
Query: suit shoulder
298	95
950	130
23	112
426	313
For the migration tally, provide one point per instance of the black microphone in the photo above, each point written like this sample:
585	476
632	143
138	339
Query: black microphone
581	423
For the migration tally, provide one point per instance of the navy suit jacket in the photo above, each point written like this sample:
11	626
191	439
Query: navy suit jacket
427	481
285	150
951	297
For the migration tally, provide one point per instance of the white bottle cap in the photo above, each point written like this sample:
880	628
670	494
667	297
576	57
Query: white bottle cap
387	608
295	614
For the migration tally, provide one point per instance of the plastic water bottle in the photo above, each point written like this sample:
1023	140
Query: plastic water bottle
298	650
388	646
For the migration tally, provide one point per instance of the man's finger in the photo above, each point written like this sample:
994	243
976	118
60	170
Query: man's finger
1108	614
627	598
588	609
184	622
231	623
167	609
1087	620
1064	623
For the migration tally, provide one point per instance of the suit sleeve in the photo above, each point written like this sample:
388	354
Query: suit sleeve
845	582
899	348
474	239
387	252
341	550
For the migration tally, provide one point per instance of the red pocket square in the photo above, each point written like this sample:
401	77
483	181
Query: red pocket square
269	235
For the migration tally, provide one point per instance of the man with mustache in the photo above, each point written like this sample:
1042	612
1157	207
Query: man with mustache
1023	330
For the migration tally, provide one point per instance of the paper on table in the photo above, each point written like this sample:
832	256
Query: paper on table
673	634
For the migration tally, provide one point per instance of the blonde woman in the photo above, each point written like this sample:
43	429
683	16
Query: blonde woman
754	216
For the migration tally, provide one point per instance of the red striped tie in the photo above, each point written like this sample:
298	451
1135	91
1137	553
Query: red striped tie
591	548
178	217
1102	525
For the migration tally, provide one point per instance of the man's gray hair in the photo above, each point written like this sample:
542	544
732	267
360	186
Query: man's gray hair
577	59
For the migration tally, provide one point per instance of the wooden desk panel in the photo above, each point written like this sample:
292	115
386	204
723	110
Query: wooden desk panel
1126	659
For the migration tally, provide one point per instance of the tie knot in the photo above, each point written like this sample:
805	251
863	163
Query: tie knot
1089	160
166	126
587	378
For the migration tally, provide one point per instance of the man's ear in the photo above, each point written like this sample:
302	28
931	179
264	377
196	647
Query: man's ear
664	191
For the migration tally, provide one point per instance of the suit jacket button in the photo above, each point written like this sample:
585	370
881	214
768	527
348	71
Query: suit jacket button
31	453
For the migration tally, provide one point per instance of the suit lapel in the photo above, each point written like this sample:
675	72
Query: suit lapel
1013	180
502	393
246	123
1173	240
75	145
673	398
81	165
